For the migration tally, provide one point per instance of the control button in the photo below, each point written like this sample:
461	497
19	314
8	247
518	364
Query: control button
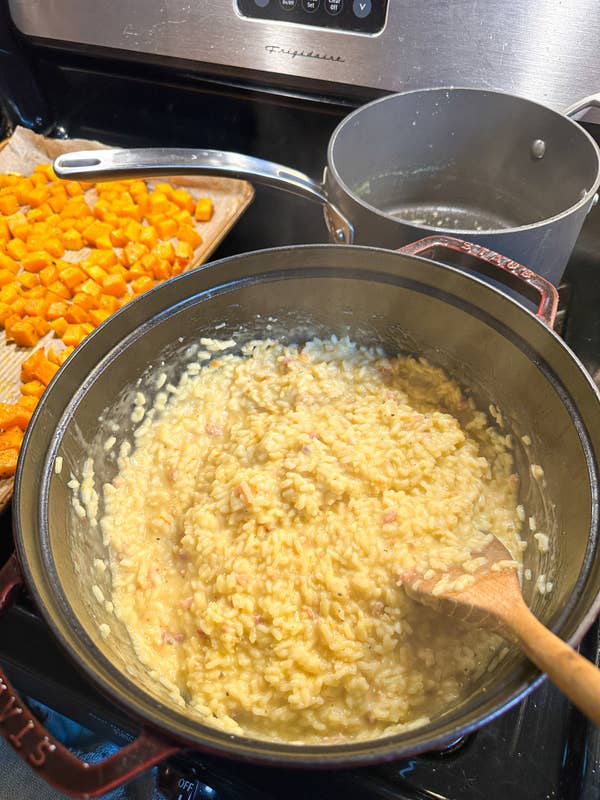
333	7
310	5
262	3
362	8
288	5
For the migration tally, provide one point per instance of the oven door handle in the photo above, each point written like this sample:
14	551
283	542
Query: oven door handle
160	161
45	754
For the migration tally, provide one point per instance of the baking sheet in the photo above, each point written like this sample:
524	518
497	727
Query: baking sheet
23	151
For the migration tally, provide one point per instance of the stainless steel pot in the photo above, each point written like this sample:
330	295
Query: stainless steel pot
498	170
503	353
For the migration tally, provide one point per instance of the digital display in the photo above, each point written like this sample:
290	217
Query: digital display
358	16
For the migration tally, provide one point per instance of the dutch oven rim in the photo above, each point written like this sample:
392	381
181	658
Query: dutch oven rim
210	739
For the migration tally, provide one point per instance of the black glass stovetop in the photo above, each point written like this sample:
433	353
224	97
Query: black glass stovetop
543	747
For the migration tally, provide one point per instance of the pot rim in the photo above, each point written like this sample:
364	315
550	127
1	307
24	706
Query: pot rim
460	232
140	704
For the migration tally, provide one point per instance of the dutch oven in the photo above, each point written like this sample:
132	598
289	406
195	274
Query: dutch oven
501	352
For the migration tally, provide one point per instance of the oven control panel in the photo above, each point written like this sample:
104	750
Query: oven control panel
355	16
343	47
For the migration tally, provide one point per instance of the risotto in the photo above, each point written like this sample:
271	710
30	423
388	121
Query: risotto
260	526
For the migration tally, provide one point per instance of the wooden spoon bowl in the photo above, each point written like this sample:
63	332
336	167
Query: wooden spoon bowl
493	600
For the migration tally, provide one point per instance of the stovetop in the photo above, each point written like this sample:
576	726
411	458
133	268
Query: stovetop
541	748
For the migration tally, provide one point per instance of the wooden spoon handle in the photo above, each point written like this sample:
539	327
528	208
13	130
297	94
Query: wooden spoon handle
574	675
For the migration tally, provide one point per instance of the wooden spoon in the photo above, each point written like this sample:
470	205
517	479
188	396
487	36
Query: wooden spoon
494	600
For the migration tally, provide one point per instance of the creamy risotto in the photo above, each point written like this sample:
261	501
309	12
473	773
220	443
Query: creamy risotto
259	529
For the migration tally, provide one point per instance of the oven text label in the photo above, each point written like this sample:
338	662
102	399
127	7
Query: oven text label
289	51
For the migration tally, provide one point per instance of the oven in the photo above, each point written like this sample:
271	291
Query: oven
273	78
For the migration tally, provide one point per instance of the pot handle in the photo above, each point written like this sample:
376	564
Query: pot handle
47	756
592	101
157	161
489	263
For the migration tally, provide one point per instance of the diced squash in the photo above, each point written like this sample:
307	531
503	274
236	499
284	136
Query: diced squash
190	235
6	277
132	252
75	333
73	189
36	261
72	239
96	229
184	199
184	251
5	312
48	275
148	236
33	388
29	403
64	354
28	279
14	414
118	238
55	247
40	325
204	209
166	228
104	243
166	251
9	204
52	356
9	293
91	287
23	333
72	276
11	438
132	231
138	270
57	203
98	315
47	371
59	326
8	462
103	258
166	189
16	249
85	301
142	284
162	269
158	203
108	302
35	306
58	288
30	365
76	314
97	274
114	285
6	262
15	221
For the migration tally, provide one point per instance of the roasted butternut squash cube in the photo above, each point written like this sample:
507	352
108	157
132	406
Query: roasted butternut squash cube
9	204
11	438
8	462
36	261
14	414
72	276
33	388
23	333
204	209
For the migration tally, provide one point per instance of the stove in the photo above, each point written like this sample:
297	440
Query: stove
62	85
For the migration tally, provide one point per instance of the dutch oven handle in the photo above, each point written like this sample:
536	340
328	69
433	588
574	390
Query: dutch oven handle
47	756
489	262
159	161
